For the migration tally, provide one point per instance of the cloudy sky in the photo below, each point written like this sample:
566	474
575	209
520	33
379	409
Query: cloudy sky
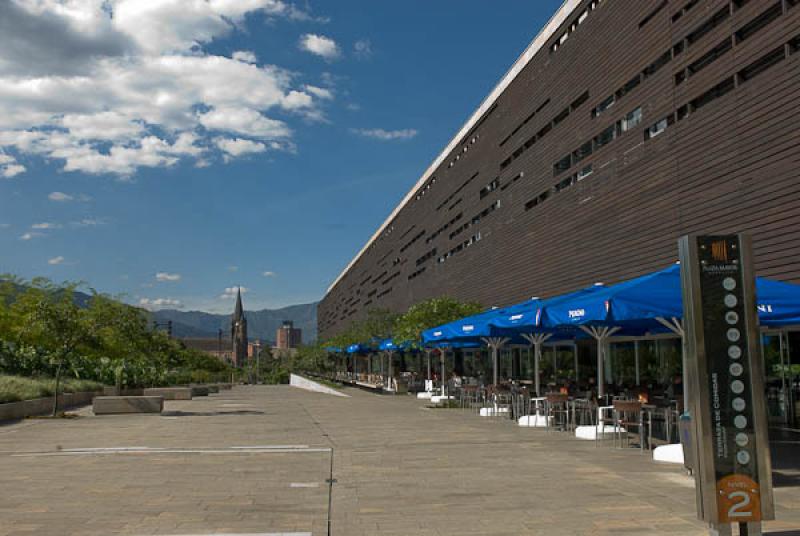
172	150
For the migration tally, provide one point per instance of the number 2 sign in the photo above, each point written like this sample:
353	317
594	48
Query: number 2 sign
739	500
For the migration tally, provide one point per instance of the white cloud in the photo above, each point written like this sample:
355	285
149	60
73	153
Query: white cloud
160	303
233	268
60	197
320	92
112	86
385	135
5	225
321	46
46	226
166	276
363	49
56	260
239	147
244	121
88	222
102	126
11	170
245	55
270	274
230	293
30	236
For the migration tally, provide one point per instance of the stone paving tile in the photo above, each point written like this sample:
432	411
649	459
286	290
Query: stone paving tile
401	468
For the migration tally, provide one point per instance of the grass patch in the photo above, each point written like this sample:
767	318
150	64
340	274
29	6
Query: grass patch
328	383
447	404
17	388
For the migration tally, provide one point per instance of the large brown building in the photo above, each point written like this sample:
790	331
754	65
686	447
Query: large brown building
624	125
287	336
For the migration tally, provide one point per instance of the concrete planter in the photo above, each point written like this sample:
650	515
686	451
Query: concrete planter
199	390
115	405
43	406
113	391
170	393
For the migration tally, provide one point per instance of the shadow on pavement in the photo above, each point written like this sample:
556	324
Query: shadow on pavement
209	413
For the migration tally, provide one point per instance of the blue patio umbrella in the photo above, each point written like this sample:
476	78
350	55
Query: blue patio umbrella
469	331
653	303
524	320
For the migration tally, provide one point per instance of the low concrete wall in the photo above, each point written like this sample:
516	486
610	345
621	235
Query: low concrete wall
43	406
113	405
199	390
213	389
309	385
113	391
170	393
225	386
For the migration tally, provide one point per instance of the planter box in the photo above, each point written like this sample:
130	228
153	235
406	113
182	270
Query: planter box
199	390
43	406
170	393
113	391
114	405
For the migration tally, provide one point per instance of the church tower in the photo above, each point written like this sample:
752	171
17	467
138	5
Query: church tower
239	332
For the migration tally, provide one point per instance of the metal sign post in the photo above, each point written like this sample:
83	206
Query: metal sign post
726	384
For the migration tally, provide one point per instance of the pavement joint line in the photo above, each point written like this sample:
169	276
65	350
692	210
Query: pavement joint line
272	447
158	450
247	534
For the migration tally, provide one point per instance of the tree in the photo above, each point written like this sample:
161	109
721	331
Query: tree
51	320
378	325
430	313
48	329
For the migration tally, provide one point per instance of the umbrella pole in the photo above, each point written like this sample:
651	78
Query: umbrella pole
601	381
575	352
537	356
428	354
494	365
391	371
555	364
636	361
444	379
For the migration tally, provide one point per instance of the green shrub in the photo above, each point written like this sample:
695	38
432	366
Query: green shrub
16	388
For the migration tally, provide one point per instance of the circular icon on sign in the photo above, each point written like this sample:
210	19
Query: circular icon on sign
742	440
731	317
733	335
734	352
740	422
738	404
729	283
737	387
730	300
736	369
743	457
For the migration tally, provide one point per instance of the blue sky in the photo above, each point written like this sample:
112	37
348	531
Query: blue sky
171	153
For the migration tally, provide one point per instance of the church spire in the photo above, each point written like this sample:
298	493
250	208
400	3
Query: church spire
238	312
239	331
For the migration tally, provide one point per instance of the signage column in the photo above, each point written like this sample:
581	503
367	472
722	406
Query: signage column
726	383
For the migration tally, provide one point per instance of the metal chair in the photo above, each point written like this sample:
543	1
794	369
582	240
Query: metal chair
628	414
557	411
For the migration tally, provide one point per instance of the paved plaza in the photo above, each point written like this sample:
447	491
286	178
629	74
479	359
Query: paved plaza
255	460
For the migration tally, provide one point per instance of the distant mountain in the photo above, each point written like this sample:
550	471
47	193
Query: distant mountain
260	324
